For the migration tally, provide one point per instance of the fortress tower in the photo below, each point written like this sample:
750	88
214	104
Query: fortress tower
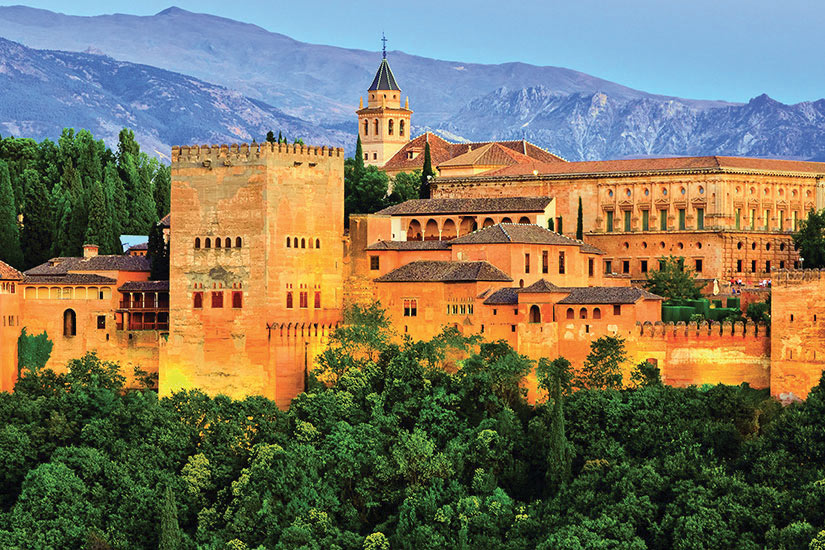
384	125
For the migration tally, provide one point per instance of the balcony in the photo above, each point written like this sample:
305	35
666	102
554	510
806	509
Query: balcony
144	304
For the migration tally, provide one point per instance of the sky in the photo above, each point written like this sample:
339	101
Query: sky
731	50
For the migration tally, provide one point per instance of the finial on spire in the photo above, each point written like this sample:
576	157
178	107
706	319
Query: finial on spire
384	41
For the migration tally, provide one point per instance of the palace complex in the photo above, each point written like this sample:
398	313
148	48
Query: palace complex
261	266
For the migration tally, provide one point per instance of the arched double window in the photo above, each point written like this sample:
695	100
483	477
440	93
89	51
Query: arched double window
69	323
366	127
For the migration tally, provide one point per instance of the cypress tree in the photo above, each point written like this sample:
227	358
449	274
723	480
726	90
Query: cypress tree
359	158
281	138
78	219
551	225
561	228
158	253
171	536
580	222
142	211
426	174
162	190
38	222
99	228
559	453
10	251
116	204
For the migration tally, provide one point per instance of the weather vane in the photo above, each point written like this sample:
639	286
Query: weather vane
384	40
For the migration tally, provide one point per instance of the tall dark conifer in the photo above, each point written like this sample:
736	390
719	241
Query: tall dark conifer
116	204
162	190
37	235
359	158
10	251
580	222
426	174
159	254
99	228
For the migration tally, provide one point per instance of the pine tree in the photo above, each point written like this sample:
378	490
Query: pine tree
99	228
10	251
171	536
270	137
426	174
162	190
580	222
38	222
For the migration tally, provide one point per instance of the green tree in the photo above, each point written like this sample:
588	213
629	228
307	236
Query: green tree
270	137
171	537
99	228
555	377
580	222
759	312
810	240
37	235
366	194
358	168
673	280
118	212
404	187
10	251
603	365
158	253
33	351
162	190
427	174
645	374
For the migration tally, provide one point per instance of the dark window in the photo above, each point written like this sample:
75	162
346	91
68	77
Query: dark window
739	266
197	242
512	328
390	127
535	314
527	263
768	266
401	132
753	266
287	242
207	243
375	263
238	242
597	313
644	266
625	266
304	299
608	267
609	221
197	300
583	313
303	243
218	242
289	300
681	218
101	321
617	309
561	262
590	268
317	243
663	219
545	261
217	299
69	323
700	218
228	243
237	299
366	127
645	220
411	308
570	313
627	220
317	299
781	264
698	266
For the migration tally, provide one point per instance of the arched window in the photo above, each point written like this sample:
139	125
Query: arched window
69	323
197	242
390	127
375	127
228	243
207	243
238	242
289	300
197	300
400	127
524	219
506	220
303	243
597	313
535	314
217	242
570	313
287	242
366	127
317	243
583	313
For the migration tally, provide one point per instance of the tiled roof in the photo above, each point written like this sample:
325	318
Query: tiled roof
468	206
63	265
516	233
68	279
441	151
409	245
444	272
145	286
607	295
710	163
503	296
542	285
588	248
8	273
490	154
166	221
141	246
384	79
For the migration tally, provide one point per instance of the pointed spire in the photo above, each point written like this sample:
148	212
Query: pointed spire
361	102
407	103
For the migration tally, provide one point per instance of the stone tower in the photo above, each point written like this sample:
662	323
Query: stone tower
384	125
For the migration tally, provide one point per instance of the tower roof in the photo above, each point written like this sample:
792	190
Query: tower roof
384	79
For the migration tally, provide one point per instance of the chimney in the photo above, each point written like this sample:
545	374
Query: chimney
90	250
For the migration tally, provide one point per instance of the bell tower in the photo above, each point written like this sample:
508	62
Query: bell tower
384	126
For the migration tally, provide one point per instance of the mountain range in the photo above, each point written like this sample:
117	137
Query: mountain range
183	77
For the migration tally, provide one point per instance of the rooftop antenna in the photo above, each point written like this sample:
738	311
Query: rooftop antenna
384	40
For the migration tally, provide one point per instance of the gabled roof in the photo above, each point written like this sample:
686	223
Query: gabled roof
8	273
64	265
607	295
444	272
384	79
502	205
516	233
543	285
409	245
502	297
490	154
139	246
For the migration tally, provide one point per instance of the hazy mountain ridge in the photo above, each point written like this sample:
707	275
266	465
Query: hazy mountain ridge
44	91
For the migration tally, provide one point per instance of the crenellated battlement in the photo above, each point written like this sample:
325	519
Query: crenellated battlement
246	152
796	276
703	330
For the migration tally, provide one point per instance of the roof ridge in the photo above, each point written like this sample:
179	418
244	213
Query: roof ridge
509	238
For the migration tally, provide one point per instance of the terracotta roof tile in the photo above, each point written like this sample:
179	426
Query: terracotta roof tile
409	245
140	246
444	272
145	286
8	273
503	296
516	233
468	206
68	279
542	285
607	295
491	154
63	265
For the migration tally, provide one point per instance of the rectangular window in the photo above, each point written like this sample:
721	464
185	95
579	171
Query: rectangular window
411	307
781	215
545	261
561	263
767	220
101	321
753	266
512	328
752	219
463	309
289	300
644	266
609	221
317	299
698	266
375	263
469	309
590	269
794	221
625	266
627	220
304	300
645	220
237	299
768	266
781	264
617	310
455	309
663	219
738	218
682	219
527	263
739	266
217	299
700	218
608	267
197	300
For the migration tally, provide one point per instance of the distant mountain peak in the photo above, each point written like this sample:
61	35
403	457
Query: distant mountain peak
173	10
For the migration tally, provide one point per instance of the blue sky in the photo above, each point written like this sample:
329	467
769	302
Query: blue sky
709	49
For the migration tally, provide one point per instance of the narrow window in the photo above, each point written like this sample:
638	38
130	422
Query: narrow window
375	263
287	242
101	321
608	266
317	243
366	127
753	266
197	242
625	266
411	308
390	127
781	264
208	243
794	221
738	218
617	310
217	299
627	220
317	299
375	127
768	266
197	300
739	266
218	242
682	218
752	219
609	221
545	261
561	262
645	220
535	314
400	127
663	219
304	300
590	267
238	242
698	266
644	266
700	218
303	243
237	299
375	156
781	216
228	243
289	300
570	313
69	323
527	263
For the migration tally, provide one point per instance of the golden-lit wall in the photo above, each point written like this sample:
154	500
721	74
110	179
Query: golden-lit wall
10	325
